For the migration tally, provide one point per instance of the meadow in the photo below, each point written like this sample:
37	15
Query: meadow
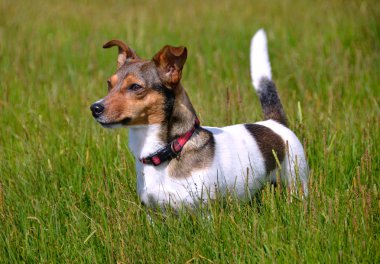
68	186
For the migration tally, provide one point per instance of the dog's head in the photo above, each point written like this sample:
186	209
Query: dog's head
141	92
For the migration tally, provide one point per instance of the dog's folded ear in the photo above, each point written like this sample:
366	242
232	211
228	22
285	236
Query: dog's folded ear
170	60
125	52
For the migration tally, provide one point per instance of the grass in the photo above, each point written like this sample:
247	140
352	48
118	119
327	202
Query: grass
68	187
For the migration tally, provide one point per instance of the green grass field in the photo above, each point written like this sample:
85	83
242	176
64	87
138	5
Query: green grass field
68	186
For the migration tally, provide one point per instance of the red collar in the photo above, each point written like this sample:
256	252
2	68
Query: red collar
172	149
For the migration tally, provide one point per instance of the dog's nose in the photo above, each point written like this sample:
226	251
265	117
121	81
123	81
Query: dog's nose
97	109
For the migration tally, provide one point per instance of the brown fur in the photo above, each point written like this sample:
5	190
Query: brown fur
183	115
124	51
197	154
170	61
267	140
270	102
143	107
112	81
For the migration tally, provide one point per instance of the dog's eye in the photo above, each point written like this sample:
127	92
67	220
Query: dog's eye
135	87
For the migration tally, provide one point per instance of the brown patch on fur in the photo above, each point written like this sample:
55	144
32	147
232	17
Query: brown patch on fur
169	61
267	140
112	81
271	112
130	80
197	154
143	109
183	115
125	53
145	106
270	102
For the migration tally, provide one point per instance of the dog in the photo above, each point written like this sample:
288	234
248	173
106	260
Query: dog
178	161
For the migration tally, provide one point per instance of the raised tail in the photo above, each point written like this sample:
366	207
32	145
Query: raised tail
262	79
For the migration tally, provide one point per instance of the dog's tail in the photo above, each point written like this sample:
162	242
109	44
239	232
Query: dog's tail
262	79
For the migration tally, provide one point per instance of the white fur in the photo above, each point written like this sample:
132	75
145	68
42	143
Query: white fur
238	167
260	65
143	141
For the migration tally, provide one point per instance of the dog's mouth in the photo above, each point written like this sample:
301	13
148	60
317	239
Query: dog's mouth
123	122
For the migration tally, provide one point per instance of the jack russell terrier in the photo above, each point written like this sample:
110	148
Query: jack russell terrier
178	161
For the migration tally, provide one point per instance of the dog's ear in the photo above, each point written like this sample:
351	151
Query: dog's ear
170	60
125	52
